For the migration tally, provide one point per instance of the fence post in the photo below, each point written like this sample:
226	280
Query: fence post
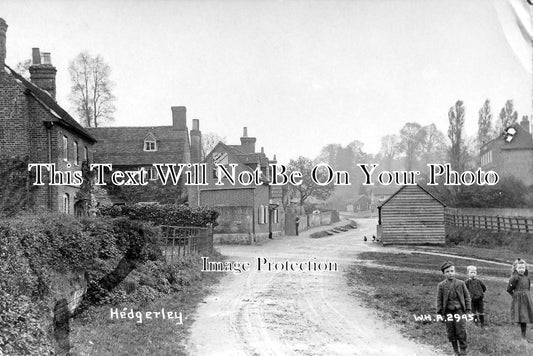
498	220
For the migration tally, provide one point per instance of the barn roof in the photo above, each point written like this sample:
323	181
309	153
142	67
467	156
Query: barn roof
403	187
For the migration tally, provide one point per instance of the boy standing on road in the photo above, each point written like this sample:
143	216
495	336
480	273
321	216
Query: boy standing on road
454	304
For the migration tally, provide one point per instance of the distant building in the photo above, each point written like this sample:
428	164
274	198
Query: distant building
132	148
380	193
34	125
248	213
359	203
511	154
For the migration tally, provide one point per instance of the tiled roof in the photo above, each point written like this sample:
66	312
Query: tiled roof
125	145
62	117
521	140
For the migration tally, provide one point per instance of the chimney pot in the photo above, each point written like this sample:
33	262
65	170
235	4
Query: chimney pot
244	132
196	124
3	51
35	56
179	117
262	150
247	143
47	58
43	74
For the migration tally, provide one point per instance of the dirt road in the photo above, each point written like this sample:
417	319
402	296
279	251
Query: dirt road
295	313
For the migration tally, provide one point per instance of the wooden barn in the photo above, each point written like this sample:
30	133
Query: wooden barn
411	216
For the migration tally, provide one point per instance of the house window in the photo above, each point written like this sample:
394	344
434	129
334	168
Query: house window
65	148
261	219
76	154
150	143
66	203
85	154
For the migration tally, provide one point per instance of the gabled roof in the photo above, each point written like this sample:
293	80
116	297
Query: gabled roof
403	187
61	116
521	140
244	160
125	145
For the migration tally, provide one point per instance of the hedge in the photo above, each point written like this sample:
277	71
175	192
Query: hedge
164	214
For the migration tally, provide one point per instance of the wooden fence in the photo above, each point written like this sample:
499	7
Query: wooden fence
179	241
495	223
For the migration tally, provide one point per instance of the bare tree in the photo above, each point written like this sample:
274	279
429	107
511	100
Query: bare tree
91	92
456	117
209	141
484	130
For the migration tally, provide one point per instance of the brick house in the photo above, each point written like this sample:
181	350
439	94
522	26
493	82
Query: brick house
34	125
511	154
132	148
248	213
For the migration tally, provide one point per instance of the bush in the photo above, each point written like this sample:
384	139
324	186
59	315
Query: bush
164	214
35	249
512	241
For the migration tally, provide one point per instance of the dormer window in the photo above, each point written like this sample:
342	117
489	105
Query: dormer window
150	143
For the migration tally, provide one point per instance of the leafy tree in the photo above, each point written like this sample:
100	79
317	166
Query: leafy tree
507	117
308	188
91	92
456	153
411	136
23	68
484	130
432	145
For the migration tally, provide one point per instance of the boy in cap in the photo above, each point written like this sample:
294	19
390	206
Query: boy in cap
454	304
477	290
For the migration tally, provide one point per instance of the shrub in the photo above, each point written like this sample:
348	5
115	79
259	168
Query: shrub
164	214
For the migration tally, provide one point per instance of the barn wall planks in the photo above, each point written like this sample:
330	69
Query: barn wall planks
412	216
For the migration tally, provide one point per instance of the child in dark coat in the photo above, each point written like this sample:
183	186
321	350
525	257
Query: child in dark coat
454	305
522	305
477	289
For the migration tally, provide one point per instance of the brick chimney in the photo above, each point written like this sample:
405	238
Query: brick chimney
525	123
196	142
42	72
179	118
3	30
247	143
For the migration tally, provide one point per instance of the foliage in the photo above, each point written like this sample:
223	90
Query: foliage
23	68
164	214
91	91
308	188
484	132
508	193
34	248
456	154
389	149
432	145
15	189
411	137
507	117
22	332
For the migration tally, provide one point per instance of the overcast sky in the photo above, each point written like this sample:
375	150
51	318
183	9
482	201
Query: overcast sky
298	74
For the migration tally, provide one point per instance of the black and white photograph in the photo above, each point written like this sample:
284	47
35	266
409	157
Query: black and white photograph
266	177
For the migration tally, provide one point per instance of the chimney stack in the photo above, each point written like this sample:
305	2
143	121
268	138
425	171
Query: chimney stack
525	123
247	143
179	118
42	72
196	142
3	30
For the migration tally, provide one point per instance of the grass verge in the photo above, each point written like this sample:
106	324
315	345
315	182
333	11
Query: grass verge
401	286
96	333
